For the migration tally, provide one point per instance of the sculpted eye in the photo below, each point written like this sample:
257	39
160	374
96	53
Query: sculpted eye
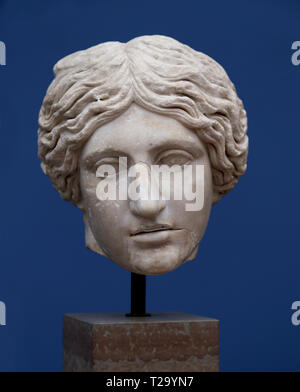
175	157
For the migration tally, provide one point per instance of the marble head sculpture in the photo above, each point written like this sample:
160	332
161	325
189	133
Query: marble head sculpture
150	101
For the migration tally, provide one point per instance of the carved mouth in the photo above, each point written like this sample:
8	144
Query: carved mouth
152	229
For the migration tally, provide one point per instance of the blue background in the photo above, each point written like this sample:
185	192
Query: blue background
247	269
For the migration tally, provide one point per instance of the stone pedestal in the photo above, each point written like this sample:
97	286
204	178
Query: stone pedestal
112	342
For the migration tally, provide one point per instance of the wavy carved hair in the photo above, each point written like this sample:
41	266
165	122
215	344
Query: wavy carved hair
93	86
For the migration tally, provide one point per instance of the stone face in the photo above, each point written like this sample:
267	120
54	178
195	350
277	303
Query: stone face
143	235
151	101
163	342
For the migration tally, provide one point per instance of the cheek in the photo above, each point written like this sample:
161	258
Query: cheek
201	217
105	217
88	185
194	221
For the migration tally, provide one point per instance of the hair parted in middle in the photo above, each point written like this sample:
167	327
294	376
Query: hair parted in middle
94	86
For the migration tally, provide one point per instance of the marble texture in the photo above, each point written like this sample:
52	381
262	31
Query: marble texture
112	342
128	231
153	101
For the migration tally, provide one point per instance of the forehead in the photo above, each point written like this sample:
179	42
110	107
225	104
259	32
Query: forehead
138	130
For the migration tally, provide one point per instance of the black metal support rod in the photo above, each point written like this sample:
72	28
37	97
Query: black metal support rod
138	296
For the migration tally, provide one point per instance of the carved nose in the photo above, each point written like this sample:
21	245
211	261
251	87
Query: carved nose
143	202
147	208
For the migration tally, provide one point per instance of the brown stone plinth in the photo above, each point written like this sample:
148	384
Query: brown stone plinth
112	342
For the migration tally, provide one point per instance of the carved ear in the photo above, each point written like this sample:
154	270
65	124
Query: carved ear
90	241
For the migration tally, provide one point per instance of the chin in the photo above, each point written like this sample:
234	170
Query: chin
155	266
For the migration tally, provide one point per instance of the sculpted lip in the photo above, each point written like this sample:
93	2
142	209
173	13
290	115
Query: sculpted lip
154	237
150	229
